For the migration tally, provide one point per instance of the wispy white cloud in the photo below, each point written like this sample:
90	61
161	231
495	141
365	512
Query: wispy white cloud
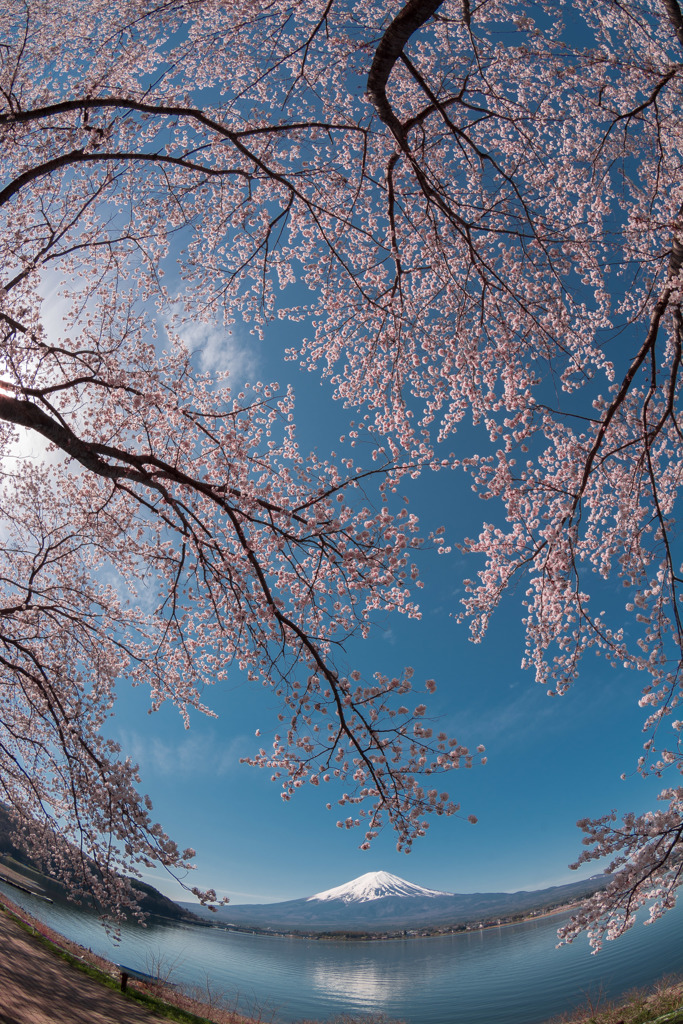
195	755
503	722
217	350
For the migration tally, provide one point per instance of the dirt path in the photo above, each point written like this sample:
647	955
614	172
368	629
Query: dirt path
39	988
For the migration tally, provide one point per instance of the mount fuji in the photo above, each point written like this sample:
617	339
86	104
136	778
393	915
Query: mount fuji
381	902
375	885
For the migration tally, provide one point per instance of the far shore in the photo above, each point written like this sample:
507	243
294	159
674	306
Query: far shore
463	928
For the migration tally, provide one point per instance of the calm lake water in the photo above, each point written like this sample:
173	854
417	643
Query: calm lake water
508	975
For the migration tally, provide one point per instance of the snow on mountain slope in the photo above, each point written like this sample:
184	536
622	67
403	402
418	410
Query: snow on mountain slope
374	885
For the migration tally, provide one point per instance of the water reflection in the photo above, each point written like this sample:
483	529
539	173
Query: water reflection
511	975
364	983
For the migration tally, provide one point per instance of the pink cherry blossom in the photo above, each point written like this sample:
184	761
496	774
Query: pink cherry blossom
492	233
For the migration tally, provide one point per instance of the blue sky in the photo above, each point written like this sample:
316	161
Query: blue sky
550	761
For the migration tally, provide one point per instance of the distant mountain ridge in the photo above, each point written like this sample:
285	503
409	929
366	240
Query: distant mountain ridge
381	902
152	902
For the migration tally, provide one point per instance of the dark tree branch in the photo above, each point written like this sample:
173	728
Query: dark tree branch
675	17
405	24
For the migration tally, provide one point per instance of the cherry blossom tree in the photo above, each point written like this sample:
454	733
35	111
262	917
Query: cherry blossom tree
475	210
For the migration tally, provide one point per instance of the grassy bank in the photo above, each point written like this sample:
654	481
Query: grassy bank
175	1004
661	1003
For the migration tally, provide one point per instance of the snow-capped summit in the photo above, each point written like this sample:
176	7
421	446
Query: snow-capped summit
374	885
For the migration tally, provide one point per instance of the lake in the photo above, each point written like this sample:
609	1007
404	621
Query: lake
507	975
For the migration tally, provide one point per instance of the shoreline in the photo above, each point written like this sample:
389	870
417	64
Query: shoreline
467	928
158	999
